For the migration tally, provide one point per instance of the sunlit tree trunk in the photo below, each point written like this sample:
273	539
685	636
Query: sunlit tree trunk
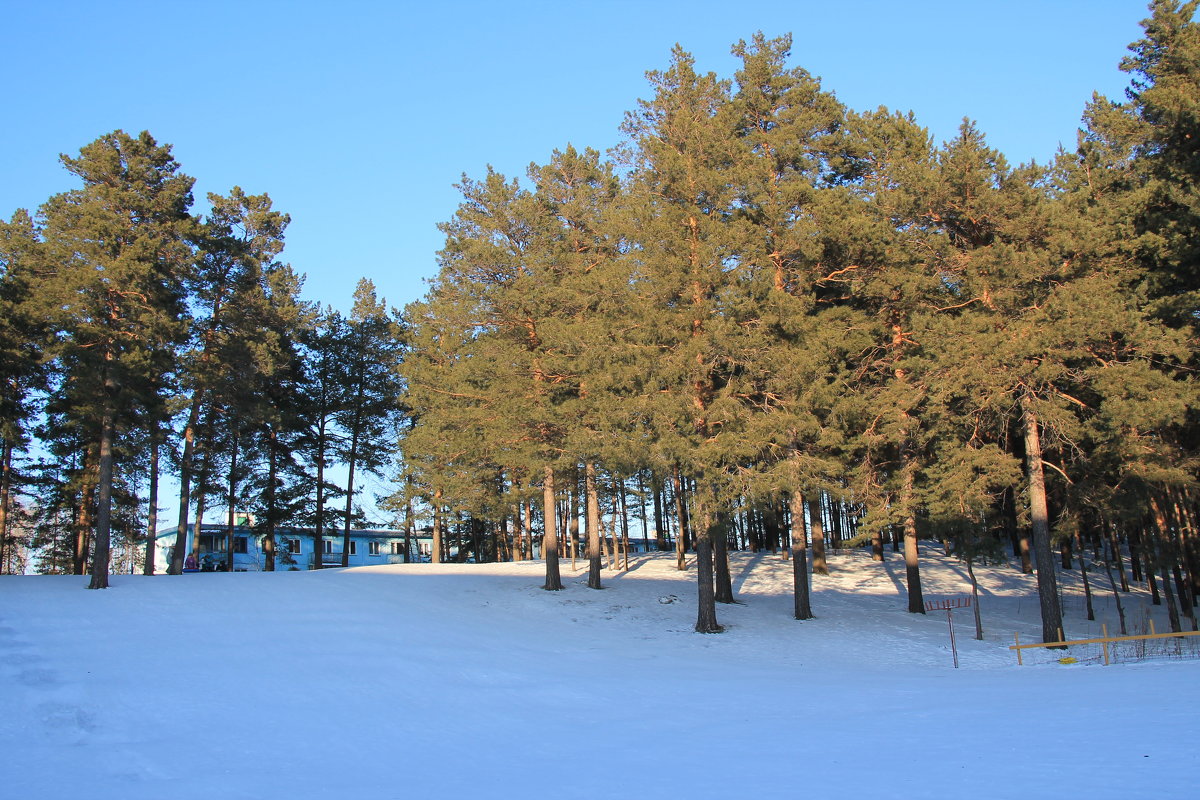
550	534
800	588
1043	557
593	525
706	615
185	484
817	527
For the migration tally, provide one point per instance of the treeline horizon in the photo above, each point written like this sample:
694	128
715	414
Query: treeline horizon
761	311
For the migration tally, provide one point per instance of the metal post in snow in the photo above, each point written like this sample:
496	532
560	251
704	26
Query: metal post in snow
948	606
953	646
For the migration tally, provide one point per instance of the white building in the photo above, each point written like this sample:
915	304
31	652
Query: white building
293	548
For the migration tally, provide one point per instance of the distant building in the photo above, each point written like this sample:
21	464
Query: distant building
293	547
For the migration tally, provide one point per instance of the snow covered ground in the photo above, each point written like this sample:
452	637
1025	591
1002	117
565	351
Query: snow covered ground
469	681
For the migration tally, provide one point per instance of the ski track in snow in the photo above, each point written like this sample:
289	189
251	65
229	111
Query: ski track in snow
451	681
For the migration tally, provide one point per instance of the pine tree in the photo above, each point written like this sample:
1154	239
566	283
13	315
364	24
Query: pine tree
275	316
681	200
325	395
239	241
1164	110
793	140
373	348
116	258
21	364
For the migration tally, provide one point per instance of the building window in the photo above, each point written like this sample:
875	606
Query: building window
397	548
353	548
212	543
292	545
239	544
328	545
373	548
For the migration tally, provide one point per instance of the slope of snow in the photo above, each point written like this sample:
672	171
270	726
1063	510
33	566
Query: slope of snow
468	680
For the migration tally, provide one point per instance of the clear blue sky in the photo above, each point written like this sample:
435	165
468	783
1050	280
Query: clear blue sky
358	117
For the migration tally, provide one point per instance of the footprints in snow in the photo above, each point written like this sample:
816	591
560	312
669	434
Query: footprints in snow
42	690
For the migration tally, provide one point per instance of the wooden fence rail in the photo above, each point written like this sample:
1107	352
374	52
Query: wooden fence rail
1104	640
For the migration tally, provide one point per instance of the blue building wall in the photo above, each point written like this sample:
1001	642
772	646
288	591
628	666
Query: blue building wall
293	548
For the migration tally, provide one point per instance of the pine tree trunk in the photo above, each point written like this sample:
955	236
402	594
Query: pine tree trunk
1172	608
800	588
912	565
151	507
185	484
785	537
436	548
817	528
1181	590
593	526
408	532
752	523
104	493
1087	586
641	488
476	527
723	587
573	522
518	548
272	475
681	539
660	532
1191	547
706	613
1149	566
318	538
201	507
5	488
528	540
975	600
350	489
231	500
1116	594
85	521
1135	562
1114	546
1172	553
623	507
550	535
770	521
1018	535
835	517
1052	623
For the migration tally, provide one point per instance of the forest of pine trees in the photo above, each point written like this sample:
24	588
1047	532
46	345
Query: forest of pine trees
140	339
765	321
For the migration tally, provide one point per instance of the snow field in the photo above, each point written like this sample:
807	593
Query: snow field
470	681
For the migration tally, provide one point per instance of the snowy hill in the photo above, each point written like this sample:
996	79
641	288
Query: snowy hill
457	681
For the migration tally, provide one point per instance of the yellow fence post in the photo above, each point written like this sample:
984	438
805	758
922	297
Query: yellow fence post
1017	640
